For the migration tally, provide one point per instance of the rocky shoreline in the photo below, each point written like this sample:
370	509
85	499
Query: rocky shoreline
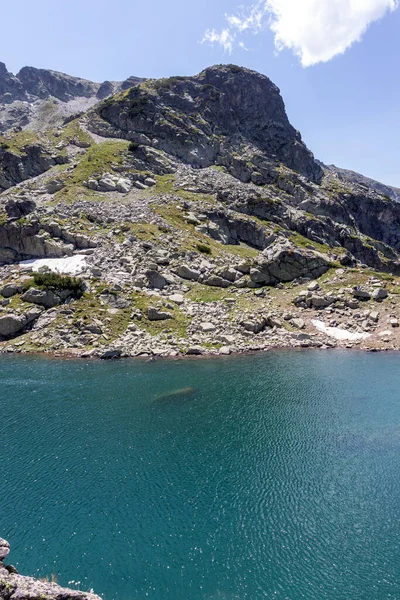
19	587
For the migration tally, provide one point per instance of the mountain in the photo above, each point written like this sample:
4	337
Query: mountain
39	98
194	215
355	178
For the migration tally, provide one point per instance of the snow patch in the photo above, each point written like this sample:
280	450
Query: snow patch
339	334
71	265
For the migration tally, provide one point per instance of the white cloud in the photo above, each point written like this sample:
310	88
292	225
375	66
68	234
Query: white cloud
315	30
225	37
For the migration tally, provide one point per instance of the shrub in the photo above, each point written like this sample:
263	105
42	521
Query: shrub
56	281
203	248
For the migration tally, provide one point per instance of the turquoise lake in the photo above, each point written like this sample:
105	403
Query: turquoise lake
276	476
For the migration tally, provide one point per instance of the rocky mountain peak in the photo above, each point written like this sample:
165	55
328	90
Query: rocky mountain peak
23	96
44	83
224	112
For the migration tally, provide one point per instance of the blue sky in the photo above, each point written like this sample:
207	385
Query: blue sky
346	107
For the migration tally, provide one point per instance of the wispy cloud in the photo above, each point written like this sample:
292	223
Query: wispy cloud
314	30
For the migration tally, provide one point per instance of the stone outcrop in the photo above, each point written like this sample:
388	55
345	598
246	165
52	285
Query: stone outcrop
283	262
21	242
31	161
205	120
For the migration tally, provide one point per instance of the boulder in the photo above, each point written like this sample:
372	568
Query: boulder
123	185
188	273
54	185
361	294
298	323
207	327
177	299
107	184
15	209
11	289
111	353
195	351
12	324
255	325
156	280
319	302
154	314
379	294
47	298
216	281
284	262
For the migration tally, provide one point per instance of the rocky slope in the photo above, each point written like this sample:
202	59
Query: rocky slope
18	587
39	98
355	178
196	220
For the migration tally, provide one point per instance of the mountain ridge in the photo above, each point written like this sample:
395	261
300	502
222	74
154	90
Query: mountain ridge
195	217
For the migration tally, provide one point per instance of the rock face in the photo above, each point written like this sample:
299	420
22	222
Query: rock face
33	160
283	262
17	587
27	241
24	95
204	120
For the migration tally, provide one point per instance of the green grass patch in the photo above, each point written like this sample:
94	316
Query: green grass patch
99	159
177	325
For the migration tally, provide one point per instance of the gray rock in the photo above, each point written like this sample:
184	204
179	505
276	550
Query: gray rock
361	294
374	316
111	353
54	185
154	314
188	273
254	325
107	184
15	209
195	351
11	324
207	327
156	280
11	289
123	185
298	323
379	294
284	262
216	281
47	298
177	299
4	548
319	302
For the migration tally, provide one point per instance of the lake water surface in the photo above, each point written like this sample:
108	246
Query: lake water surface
277	476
